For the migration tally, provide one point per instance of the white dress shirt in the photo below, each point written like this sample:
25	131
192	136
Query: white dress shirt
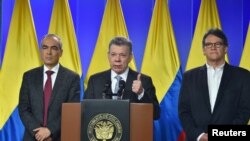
213	79
53	76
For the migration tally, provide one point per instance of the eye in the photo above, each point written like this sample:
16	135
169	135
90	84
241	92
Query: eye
208	44
218	44
55	48
44	47
112	54
123	55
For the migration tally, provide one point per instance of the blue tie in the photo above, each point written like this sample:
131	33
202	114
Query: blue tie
118	78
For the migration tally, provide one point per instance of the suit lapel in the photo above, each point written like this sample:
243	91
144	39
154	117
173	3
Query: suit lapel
129	81
107	79
38	83
58	83
223	84
128	86
204	87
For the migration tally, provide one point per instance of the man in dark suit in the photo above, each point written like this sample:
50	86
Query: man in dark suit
40	113
216	93
138	87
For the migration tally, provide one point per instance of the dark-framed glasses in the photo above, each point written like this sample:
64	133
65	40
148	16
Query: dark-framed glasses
216	45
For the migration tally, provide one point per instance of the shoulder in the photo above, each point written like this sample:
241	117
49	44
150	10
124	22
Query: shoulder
194	71
34	71
102	74
237	70
135	74
67	71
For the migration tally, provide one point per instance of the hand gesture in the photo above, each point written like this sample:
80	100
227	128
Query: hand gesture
137	85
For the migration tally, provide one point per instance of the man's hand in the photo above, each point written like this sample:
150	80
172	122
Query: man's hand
42	133
137	85
204	137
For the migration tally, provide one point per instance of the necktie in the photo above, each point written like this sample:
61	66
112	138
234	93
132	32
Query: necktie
47	93
118	78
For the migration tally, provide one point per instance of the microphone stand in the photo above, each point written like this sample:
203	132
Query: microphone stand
121	89
105	90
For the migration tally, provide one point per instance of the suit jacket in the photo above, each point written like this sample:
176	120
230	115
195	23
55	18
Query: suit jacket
96	86
231	106
66	89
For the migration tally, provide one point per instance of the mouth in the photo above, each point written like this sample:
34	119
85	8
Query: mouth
213	52
117	66
48	58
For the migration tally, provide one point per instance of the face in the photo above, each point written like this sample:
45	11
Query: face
214	49
119	58
50	51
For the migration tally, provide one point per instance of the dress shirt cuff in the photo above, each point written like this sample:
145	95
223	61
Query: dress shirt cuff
199	137
141	95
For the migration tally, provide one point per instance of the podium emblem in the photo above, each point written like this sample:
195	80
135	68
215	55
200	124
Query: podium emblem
104	127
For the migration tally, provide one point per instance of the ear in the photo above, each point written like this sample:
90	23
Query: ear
61	52
203	50
40	52
225	50
130	57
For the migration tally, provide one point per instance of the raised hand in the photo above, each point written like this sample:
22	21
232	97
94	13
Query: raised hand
137	85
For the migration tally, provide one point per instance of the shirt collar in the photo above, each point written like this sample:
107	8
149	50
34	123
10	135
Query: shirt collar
123	75
54	69
217	68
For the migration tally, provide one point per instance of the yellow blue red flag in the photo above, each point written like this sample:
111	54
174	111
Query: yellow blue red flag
208	18
113	24
21	54
245	58
161	62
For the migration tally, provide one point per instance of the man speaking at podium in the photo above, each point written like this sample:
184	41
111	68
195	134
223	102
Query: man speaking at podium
121	82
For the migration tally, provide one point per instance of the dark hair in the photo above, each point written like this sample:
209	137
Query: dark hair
53	36
216	32
120	41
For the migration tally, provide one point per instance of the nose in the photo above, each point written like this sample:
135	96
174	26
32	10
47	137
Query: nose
117	58
49	51
213	47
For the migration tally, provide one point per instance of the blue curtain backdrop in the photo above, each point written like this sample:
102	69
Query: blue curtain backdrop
87	16
0	31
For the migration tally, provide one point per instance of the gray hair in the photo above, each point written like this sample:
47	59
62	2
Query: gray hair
53	36
119	40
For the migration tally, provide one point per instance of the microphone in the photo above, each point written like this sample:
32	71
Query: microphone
105	90
121	88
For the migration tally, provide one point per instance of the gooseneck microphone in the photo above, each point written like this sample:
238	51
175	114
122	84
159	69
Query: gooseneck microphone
121	89
106	88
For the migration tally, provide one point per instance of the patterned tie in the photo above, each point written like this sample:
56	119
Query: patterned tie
47	93
118	78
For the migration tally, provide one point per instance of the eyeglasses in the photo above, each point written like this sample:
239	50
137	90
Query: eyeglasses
216	45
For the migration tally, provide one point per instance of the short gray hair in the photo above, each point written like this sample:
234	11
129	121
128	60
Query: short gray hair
53	36
120	40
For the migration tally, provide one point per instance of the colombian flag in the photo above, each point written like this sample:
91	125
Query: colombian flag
113	24
21	54
208	18
61	24
246	52
161	62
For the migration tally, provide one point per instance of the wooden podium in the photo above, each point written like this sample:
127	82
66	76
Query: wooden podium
141	122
